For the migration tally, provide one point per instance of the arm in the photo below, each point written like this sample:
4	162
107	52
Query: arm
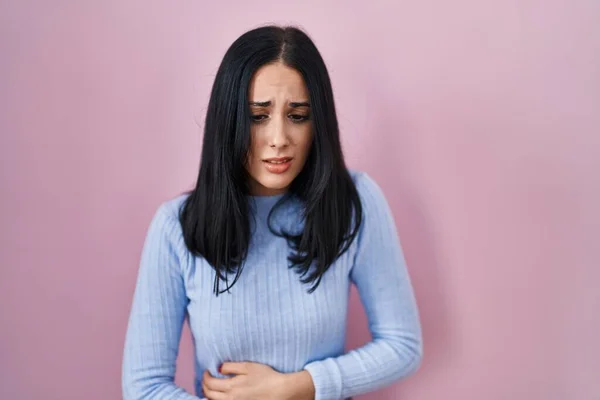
382	280
157	315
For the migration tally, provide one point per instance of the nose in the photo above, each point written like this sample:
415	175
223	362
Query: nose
278	136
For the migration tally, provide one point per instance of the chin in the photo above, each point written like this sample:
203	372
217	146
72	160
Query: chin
274	182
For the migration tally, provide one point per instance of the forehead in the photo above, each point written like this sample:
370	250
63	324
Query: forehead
277	80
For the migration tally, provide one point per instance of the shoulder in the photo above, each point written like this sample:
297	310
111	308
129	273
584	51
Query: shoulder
170	208
165	221
377	214
368	189
165	232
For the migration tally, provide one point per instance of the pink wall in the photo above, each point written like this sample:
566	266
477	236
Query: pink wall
480	119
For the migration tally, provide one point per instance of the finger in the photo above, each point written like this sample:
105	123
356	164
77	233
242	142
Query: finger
217	384
234	368
212	394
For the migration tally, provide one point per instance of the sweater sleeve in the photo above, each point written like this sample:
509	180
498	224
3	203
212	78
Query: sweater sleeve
157	315
381	277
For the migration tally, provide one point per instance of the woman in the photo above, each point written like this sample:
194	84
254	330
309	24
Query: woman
259	257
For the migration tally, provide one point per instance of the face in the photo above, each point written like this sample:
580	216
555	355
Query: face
281	132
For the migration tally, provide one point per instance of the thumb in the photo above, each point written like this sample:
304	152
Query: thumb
234	368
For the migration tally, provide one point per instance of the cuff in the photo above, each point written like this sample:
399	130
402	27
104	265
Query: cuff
327	379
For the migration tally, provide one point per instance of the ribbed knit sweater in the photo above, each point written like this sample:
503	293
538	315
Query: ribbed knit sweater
269	317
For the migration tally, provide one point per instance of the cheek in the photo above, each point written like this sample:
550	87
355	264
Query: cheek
254	150
306	142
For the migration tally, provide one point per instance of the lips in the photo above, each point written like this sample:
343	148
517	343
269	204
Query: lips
278	165
277	160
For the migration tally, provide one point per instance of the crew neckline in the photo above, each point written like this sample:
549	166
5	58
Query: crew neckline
265	200
268	196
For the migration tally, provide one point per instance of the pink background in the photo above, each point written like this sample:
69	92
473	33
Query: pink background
480	120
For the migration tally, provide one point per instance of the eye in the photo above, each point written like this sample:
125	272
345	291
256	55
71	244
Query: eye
258	118
298	118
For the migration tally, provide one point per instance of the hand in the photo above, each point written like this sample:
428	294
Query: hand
253	381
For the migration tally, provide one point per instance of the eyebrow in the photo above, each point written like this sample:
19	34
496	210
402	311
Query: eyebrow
293	104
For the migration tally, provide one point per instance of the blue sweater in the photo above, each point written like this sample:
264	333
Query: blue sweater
269	317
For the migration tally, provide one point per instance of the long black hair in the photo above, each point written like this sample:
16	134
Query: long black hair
215	215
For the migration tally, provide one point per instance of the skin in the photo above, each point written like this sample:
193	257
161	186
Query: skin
253	381
280	128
